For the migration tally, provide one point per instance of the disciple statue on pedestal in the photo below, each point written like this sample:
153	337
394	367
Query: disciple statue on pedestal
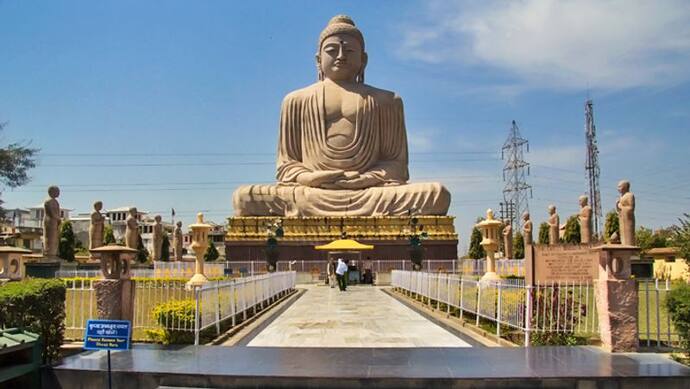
157	232
96	229
177	241
625	206
585	218
527	228
554	225
51	223
508	239
132	230
342	148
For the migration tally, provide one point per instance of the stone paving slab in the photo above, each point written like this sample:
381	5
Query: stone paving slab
362	316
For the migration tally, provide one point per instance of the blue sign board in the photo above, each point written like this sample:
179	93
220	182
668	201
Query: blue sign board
107	335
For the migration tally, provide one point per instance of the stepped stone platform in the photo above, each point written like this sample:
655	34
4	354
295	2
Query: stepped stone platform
224	367
246	236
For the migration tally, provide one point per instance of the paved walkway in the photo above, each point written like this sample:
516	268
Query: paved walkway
363	316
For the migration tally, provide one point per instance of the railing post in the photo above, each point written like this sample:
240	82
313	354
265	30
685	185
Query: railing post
448	297
479	302
233	301
196	316
217	307
528	316
462	309
498	310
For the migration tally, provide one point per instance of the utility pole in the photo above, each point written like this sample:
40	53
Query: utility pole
592	167
515	172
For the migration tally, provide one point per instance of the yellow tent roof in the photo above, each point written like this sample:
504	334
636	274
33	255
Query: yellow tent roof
345	245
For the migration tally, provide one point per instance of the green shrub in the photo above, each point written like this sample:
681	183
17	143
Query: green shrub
177	314
572	230
678	304
211	253
37	305
543	233
67	242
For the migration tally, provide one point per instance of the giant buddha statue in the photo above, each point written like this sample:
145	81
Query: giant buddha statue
342	148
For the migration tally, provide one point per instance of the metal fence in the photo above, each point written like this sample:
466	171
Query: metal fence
186	269
140	273
319	267
214	302
504	267
654	325
555	307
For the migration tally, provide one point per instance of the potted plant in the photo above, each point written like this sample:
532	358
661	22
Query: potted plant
274	231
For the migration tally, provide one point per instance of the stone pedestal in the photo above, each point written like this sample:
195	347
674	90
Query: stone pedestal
115	299
617	300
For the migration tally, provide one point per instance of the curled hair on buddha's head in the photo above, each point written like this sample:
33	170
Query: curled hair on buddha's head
341	24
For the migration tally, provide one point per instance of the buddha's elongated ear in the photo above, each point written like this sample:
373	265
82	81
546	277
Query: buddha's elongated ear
319	72
360	75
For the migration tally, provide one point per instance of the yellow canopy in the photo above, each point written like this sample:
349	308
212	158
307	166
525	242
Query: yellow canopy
345	245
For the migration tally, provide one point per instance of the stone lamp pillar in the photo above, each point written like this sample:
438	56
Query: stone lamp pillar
616	294
115	293
490	229
12	263
199	245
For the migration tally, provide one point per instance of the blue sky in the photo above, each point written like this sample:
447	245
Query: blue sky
173	104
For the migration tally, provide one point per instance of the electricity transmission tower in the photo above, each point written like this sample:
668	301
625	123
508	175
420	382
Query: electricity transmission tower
592	166
515	171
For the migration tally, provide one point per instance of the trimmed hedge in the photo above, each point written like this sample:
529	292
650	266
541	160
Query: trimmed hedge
37	305
176	314
678	304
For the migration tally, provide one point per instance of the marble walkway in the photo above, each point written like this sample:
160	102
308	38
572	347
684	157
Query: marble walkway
363	316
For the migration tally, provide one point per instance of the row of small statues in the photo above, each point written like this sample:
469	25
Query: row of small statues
52	219
625	207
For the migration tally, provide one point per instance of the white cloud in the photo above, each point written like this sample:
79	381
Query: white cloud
602	44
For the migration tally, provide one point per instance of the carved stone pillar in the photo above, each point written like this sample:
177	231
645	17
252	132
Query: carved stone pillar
617	300
115	293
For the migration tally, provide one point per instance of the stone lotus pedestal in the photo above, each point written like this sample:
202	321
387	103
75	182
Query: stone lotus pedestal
12	263
617	300
115	293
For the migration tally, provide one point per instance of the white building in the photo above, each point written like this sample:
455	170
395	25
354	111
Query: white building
24	227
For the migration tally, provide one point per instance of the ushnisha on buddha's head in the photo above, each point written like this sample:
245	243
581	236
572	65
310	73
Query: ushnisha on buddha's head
341	56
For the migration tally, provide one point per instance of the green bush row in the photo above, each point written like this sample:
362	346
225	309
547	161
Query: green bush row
678	304
36	305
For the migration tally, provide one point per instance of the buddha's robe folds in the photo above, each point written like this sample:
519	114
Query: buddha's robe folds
378	149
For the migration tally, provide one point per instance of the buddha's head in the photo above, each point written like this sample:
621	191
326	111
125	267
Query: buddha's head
158	218
552	209
133	212
341	55
525	216
583	200
97	206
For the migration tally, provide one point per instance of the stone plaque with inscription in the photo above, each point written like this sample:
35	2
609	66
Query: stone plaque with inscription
564	262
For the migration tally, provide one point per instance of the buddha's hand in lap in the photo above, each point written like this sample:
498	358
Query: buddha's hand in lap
361	182
318	179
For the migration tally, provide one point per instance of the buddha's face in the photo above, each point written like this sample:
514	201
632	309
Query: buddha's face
341	57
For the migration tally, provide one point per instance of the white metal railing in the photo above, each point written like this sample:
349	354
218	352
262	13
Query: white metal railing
554	307
504	267
222	300
185	269
319	267
654	325
214	302
142	273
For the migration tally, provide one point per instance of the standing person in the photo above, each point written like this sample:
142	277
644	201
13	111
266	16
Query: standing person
340	274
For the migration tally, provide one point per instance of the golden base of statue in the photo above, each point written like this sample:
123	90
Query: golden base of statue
246	236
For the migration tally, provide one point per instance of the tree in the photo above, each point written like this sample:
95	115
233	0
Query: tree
108	235
15	161
647	239
681	236
544	233
142	252
611	225
67	242
165	248
518	246
572	230
211	253
476	250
